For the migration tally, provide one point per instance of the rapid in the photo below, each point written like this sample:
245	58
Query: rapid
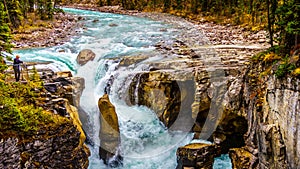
145	141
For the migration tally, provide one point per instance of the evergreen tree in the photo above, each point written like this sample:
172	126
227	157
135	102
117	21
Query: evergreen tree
288	24
5	33
15	13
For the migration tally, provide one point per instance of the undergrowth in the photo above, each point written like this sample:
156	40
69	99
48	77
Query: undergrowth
19	111
281	65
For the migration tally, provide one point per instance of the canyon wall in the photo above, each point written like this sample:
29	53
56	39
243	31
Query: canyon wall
272	109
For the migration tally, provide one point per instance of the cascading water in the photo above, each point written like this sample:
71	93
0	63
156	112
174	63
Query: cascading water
145	142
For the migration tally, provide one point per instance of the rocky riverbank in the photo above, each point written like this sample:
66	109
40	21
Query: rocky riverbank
64	26
217	34
47	33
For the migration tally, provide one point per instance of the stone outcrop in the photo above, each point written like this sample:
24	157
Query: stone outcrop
60	85
256	121
109	133
131	60
197	155
195	90
84	56
167	94
52	147
55	146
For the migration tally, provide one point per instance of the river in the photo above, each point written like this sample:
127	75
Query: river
145	142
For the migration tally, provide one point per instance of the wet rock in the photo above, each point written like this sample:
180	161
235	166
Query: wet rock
87	128
78	84
109	133
84	56
63	81
242	159
112	25
197	155
169	95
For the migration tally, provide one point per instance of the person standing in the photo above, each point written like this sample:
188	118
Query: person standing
16	66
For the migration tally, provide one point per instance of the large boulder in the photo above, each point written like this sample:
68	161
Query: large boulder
109	133
197	155
84	56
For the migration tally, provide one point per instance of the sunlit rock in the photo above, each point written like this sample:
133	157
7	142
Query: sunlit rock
131	60
84	56
109	133
64	74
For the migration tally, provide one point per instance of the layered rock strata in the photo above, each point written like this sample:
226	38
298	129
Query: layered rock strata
271	107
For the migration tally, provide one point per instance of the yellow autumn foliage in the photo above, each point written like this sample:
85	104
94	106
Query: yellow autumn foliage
270	57
296	72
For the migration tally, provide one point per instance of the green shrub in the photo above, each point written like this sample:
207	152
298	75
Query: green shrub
284	68
19	111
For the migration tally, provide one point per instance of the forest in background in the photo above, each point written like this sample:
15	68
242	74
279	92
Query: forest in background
281	18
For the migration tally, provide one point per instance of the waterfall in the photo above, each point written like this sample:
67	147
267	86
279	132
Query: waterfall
145	141
136	93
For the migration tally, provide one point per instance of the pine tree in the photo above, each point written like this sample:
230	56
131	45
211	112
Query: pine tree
15	13
288	24
5	33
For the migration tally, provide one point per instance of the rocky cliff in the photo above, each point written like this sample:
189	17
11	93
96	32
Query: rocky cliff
60	144
271	107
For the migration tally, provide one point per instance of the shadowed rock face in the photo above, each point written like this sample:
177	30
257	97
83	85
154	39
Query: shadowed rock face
169	95
62	147
109	133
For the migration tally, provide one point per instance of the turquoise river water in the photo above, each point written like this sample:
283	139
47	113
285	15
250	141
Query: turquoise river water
145	142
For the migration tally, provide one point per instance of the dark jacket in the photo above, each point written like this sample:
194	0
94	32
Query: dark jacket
17	62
